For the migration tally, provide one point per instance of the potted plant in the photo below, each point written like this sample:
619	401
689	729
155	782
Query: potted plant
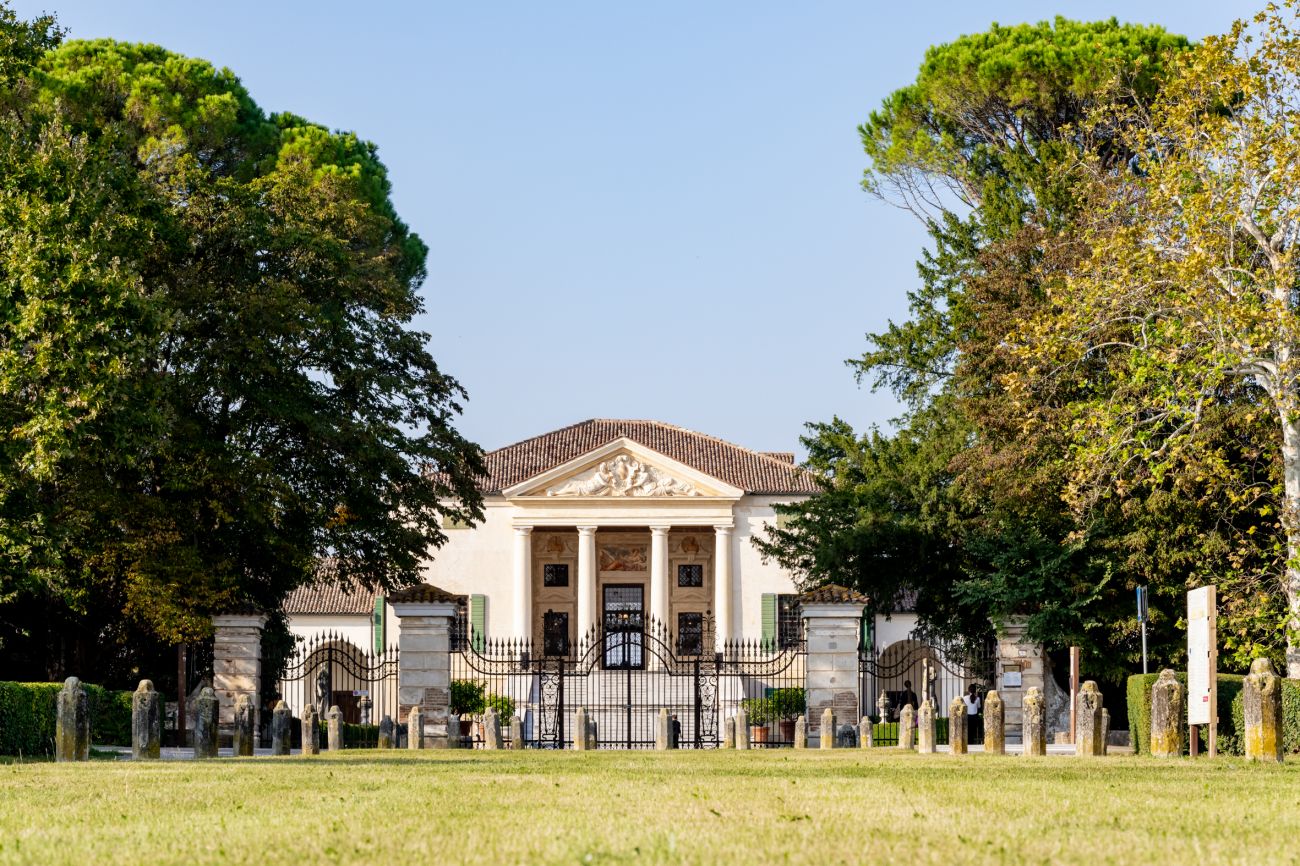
467	699
503	704
758	712
787	705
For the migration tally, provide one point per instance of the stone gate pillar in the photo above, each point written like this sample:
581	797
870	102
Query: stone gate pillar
832	618
1020	667
425	616
237	664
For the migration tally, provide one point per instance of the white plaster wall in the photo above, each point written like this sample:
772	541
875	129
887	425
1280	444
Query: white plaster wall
480	560
351	627
751	576
894	629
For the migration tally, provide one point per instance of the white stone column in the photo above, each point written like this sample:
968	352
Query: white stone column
832	682
659	576
588	606
523	620
425	615
237	664
1020	667
722	618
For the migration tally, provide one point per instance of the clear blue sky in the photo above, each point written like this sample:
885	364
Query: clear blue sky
640	210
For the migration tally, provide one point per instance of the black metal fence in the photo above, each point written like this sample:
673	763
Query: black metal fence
329	670
623	672
920	666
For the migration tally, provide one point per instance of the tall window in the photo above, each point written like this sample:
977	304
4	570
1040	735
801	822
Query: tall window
690	634
555	633
789	624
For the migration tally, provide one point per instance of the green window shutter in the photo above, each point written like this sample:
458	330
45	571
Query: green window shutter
867	638
478	621
379	621
769	620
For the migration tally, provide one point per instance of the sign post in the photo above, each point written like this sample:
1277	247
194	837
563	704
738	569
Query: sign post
1202	665
1142	618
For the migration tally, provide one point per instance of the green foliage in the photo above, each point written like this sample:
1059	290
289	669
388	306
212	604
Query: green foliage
28	713
354	736
788	703
208	376
503	704
468	697
759	711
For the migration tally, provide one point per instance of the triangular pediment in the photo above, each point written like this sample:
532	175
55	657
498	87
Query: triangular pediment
623	469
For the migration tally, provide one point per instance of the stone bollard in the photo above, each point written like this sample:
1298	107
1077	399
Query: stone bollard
310	731
386	731
728	734
334	729
364	706
925	743
995	731
281	728
516	732
593	735
957	733
846	737
663	730
1262	696
1105	731
1088	724
1167	716
740	722
243	739
581	737
415	728
491	730
907	727
826	739
72	723
206	710
801	732
146	722
1034	731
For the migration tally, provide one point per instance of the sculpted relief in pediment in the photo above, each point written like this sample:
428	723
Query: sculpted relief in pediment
623	475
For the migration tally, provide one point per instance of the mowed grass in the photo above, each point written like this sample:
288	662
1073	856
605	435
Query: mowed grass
621	807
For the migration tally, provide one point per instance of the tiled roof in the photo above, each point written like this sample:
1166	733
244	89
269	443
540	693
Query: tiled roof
425	592
833	593
330	598
748	470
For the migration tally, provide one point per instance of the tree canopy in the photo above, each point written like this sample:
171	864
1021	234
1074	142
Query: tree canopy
208	378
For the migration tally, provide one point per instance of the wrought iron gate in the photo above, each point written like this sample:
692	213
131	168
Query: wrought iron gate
920	666
329	669
623	672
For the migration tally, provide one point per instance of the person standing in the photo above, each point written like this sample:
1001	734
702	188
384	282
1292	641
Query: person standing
974	719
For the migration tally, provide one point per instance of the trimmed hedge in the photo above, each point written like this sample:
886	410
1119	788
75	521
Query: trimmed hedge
1232	723
27	717
354	736
887	732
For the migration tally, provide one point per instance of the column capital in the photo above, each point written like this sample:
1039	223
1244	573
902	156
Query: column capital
723	528
523	530
587	530
659	530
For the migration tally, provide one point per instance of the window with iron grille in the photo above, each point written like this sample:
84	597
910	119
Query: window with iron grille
555	574
789	624
690	634
690	574
555	633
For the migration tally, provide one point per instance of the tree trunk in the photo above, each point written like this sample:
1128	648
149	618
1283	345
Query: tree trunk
1291	522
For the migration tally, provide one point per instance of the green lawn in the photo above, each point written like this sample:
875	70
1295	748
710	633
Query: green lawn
620	807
